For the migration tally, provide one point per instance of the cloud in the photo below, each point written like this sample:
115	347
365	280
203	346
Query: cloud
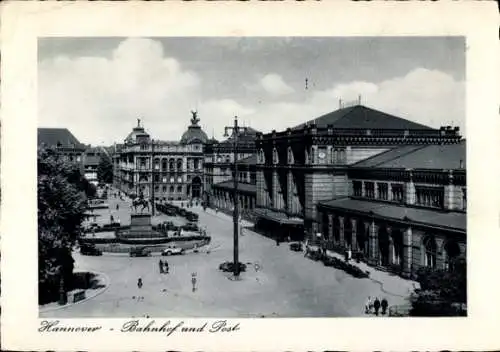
275	85
429	97
100	98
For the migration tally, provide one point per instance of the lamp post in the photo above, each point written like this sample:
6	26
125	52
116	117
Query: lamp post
235	129
152	177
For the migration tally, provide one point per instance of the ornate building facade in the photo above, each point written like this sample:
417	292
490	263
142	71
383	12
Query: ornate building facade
301	167
404	209
160	169
222	193
220	173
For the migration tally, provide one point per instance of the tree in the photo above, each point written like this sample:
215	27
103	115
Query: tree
62	201
442	292
105	171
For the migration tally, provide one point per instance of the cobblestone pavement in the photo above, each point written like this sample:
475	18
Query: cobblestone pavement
278	282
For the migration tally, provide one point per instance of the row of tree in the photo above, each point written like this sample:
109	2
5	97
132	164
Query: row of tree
62	200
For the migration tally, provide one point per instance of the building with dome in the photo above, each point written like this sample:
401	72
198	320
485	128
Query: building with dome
163	170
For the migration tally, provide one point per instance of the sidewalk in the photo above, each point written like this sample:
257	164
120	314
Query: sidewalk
390	283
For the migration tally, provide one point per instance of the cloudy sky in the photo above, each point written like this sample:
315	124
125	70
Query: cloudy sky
98	87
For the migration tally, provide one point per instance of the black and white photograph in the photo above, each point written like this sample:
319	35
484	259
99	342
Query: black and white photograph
295	176
252	177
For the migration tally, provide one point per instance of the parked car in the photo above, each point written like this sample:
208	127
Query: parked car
229	267
140	252
192	217
296	246
173	250
190	226
90	249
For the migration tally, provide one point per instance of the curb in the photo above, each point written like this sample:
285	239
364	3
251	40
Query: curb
97	293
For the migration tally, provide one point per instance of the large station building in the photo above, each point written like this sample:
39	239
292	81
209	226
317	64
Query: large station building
392	190
162	170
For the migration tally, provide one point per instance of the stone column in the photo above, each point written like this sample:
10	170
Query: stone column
274	192
341	230
373	244
354	232
407	252
391	245
289	190
330	227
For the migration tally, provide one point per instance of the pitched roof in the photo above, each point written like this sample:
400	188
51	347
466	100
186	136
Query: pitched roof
51	137
362	117
242	187
454	220
446	156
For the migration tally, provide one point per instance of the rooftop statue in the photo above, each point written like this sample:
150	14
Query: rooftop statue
194	119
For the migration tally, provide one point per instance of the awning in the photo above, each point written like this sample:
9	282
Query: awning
277	217
450	220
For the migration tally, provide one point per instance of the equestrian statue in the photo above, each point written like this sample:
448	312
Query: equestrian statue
140	201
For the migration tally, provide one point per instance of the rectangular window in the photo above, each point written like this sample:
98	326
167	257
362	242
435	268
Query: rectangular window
357	188
430	196
383	192
369	190
397	193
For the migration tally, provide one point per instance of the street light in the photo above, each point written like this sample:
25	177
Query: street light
153	177
235	130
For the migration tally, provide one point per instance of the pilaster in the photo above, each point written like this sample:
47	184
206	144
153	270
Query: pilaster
353	233
341	230
330	227
410	190
407	252
373	244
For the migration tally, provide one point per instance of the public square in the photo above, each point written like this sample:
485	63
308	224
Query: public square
278	282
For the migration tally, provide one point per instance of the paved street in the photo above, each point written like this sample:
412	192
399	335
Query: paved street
286	284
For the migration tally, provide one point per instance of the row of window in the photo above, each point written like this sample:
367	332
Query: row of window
426	196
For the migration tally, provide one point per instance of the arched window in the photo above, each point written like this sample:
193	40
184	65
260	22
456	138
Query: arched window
336	230
430	252
164	164
361	239
275	156
452	252
171	164
171	189
397	240
179	164
290	155
348	232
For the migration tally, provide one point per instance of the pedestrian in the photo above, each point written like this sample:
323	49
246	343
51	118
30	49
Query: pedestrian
384	304
277	240
111	218
160	264
376	305
368	305
349	254
139	283
117	206
193	281
166	267
346	256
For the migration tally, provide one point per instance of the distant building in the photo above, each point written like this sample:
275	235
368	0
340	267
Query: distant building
222	193
219	167
91	160
307	174
161	170
64	142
